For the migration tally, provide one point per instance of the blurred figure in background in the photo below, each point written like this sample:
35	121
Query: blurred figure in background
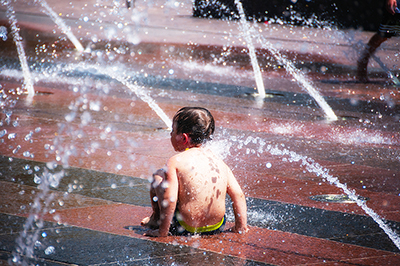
390	26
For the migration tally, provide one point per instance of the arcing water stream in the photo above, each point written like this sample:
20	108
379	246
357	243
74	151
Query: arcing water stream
28	81
311	166
61	24
245	28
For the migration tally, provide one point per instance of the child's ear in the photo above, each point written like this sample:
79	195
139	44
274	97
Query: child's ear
186	138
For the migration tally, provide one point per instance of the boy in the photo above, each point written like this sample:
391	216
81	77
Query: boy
188	195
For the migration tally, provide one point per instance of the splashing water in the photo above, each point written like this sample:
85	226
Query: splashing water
28	238
61	24
245	28
311	166
28	81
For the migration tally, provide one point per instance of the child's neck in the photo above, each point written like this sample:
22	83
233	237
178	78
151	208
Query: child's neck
192	146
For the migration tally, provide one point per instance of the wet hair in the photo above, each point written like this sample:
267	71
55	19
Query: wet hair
197	122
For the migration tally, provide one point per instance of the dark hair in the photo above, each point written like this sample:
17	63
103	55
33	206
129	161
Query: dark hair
197	122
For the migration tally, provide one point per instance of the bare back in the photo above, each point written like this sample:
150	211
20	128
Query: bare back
202	186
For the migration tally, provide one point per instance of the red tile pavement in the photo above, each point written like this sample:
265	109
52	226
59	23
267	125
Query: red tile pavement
286	182
259	244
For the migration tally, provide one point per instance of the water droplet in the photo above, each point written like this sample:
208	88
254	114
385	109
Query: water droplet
95	106
12	135
3	33
171	71
3	132
268	165
70	117
16	149
86	118
28	136
49	250
44	234
37	179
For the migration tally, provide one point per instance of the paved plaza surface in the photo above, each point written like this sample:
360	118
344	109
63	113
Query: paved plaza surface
75	159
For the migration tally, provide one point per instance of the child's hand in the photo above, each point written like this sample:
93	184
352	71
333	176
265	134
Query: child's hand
153	233
238	230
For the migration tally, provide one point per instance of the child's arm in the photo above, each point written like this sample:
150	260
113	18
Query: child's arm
239	204
167	201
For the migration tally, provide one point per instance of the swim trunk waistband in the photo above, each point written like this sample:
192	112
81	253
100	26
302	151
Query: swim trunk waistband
203	229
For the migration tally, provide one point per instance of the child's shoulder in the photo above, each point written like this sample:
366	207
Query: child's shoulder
191	155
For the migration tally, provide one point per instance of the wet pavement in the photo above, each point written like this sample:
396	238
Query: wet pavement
281	149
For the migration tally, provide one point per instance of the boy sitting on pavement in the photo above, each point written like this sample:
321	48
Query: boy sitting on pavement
188	195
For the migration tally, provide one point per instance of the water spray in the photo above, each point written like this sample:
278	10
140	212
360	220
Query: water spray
329	114
313	167
28	81
387	70
123	79
299	77
245	28
61	24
